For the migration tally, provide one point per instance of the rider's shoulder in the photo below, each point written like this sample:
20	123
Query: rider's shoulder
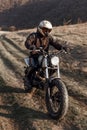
52	37
32	35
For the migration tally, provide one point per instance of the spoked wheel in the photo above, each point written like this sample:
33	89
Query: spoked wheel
57	99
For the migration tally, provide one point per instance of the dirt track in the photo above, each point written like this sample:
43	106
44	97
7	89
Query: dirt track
21	111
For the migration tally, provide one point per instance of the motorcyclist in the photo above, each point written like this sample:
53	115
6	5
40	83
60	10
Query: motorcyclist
41	38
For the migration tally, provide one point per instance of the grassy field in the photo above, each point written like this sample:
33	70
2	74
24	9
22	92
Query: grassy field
27	111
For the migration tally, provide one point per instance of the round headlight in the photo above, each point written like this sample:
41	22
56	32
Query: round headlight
55	60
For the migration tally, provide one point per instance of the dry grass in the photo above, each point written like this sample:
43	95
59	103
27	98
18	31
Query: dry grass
21	111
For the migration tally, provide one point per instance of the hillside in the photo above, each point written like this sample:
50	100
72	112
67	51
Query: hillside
22	111
28	13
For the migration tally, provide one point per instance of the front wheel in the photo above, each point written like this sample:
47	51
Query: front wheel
57	99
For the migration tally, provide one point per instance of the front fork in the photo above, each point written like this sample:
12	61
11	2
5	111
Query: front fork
58	71
47	68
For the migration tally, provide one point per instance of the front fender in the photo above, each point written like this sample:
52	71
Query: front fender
53	78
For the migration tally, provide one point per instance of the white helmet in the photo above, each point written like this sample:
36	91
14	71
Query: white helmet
44	25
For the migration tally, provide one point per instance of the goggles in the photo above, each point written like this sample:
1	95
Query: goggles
46	30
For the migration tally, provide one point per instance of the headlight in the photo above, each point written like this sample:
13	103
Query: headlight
55	60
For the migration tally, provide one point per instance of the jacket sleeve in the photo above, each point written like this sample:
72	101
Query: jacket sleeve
30	40
56	43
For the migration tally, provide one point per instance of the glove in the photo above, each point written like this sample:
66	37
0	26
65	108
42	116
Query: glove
66	49
32	47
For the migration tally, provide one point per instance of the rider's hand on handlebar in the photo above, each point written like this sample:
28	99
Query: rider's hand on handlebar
32	47
66	49
34	52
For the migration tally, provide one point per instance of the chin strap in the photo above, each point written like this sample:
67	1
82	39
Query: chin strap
40	30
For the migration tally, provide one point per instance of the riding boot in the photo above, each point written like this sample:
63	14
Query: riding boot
28	80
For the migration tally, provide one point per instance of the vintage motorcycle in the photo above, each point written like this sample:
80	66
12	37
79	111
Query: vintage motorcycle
48	76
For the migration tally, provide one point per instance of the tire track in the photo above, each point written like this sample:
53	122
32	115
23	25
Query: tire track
11	42
12	51
76	90
10	65
13	46
25	112
10	82
21	114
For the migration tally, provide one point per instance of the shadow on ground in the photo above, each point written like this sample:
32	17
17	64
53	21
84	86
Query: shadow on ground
8	89
22	116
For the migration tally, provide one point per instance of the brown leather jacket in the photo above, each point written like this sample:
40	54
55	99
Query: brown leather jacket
40	41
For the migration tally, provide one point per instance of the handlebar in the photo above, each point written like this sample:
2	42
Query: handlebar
53	52
41	50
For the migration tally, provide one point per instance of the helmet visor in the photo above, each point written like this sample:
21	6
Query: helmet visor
46	30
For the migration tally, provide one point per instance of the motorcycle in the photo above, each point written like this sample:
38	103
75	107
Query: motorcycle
48	76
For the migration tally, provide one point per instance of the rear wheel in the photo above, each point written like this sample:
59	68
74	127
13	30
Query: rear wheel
57	99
